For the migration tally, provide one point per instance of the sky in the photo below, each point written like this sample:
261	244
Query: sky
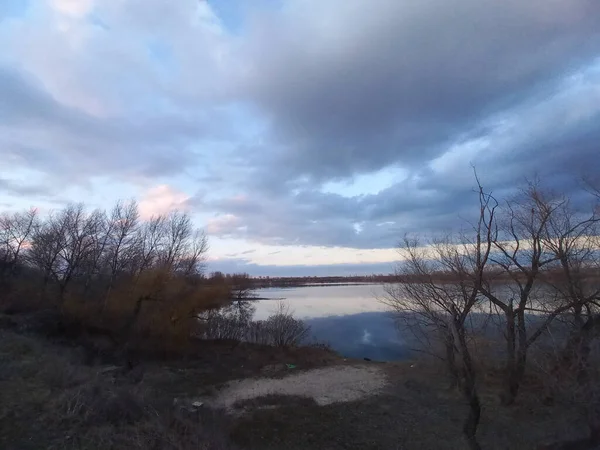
305	136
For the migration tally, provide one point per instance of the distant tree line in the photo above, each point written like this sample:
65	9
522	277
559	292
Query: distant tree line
493	271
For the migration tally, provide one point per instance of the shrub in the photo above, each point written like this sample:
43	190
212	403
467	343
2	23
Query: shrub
284	329
231	322
258	333
234	322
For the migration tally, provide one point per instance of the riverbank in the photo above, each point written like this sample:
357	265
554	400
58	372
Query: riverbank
229	395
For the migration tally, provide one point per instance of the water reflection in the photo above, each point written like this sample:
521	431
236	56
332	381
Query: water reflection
353	320
322	301
349	317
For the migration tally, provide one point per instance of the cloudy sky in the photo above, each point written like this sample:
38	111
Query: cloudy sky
305	136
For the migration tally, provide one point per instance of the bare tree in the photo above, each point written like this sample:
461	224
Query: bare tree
46	246
191	261
524	251
574	240
177	232
430	305
69	246
16	231
123	244
90	268
124	222
79	243
149	239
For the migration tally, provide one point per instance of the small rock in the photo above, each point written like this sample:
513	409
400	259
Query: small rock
197	404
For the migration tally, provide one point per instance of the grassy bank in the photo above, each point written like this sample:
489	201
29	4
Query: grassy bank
70	393
54	395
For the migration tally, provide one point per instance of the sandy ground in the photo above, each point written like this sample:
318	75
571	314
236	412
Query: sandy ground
326	386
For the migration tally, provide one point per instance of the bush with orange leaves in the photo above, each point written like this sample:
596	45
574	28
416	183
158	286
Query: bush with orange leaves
157	310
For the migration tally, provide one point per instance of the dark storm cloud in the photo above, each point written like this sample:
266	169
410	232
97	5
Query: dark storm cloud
358	87
366	84
555	140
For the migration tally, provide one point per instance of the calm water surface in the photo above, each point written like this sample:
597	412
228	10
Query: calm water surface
310	302
350	318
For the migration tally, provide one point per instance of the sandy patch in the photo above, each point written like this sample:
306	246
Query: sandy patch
325	386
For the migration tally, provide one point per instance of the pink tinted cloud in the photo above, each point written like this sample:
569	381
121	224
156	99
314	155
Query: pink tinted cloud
162	199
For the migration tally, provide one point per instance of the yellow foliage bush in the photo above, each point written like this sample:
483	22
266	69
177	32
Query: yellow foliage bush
156	309
170	313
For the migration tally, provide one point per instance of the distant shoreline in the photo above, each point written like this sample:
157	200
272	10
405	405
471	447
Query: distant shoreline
322	284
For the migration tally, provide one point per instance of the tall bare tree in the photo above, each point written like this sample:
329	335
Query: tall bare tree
177	233
192	259
574	240
149	239
16	231
46	246
524	252
67	246
123	243
428	304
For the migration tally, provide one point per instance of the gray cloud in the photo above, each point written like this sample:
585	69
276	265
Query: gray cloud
71	143
22	189
316	218
360	85
430	199
316	91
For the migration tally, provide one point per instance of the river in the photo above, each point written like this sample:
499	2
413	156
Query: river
350	318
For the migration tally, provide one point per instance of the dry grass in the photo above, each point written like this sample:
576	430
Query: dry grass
49	400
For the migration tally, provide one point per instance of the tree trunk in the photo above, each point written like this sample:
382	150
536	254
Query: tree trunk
511	378
518	360
127	328
469	387
62	288
515	377
44	290
453	371
575	355
472	422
